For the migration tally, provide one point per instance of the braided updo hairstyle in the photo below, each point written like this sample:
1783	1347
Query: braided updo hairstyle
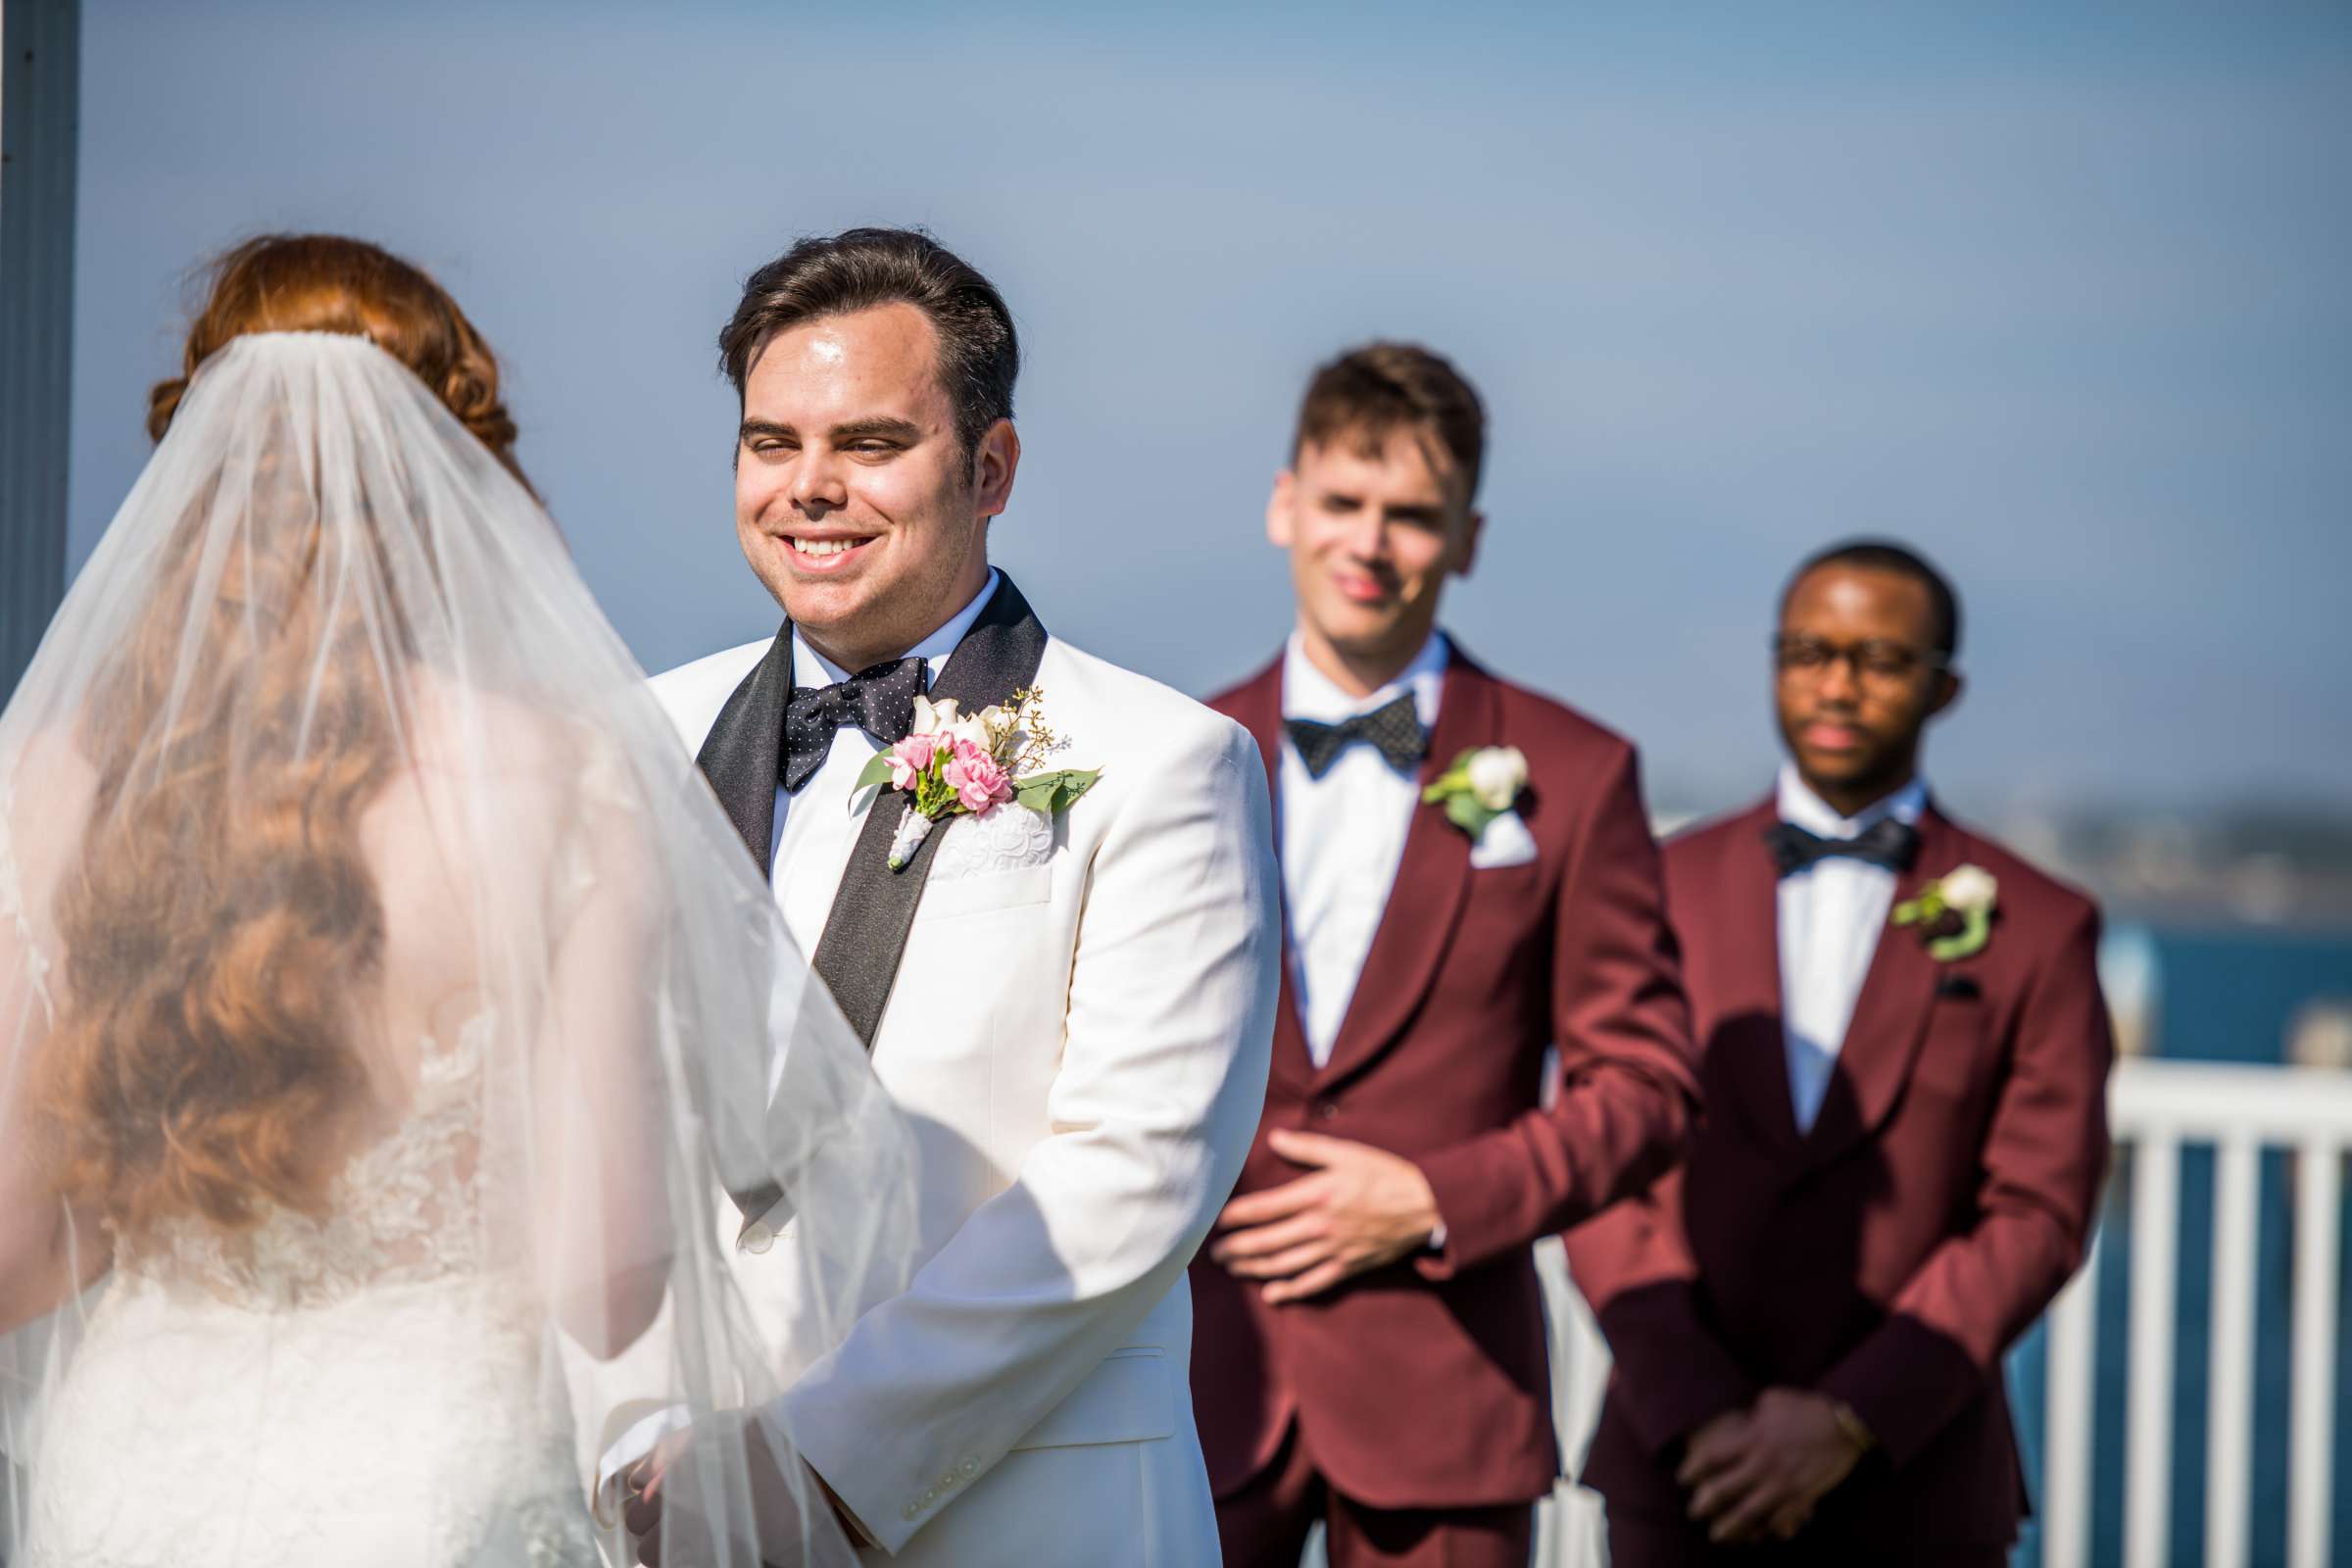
223	917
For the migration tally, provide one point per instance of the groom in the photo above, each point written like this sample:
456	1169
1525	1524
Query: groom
1073	1010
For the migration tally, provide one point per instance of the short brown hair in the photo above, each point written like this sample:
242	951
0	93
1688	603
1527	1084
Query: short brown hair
858	268
1370	391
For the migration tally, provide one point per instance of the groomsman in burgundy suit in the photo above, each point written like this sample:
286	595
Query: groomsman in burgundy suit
1371	1348
1905	1060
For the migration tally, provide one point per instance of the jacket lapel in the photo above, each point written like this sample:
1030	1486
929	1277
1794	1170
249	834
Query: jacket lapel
1256	705
741	754
1749	1045
865	933
873	910
1890	1015
1433	882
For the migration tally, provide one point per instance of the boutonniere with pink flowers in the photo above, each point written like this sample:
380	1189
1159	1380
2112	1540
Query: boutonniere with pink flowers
1954	912
1480	785
967	765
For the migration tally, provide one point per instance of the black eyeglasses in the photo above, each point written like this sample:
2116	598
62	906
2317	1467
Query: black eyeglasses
1877	662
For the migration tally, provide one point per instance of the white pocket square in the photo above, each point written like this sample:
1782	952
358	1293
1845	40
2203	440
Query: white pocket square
1505	842
1010	838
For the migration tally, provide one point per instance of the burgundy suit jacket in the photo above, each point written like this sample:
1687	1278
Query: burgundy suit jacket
1426	1384
1889	1256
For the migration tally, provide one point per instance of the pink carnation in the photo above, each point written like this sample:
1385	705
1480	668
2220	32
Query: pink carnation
910	758
978	780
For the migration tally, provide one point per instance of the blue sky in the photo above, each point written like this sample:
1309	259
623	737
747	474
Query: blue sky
2057	296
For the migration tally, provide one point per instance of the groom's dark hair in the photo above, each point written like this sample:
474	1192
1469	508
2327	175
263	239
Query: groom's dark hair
858	268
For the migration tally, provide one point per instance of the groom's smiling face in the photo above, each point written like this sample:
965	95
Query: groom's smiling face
855	502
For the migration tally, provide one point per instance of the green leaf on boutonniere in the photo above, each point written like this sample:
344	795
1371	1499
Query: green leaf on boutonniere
1051	794
1455	780
1463	810
1975	931
1456	790
1928	911
876	772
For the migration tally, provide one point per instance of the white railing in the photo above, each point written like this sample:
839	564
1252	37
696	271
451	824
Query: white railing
2156	1109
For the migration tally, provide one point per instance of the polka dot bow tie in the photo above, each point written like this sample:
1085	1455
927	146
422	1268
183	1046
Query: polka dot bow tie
1396	729
879	701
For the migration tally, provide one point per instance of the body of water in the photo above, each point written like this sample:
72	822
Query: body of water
2218	997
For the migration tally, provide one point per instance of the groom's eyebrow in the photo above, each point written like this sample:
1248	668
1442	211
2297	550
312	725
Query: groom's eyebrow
882	425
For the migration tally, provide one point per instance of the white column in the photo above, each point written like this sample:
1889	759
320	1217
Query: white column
2230	1346
39	116
2069	1373
2148	1443
2311	1441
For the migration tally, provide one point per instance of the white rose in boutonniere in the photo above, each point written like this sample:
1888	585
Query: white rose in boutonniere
1954	912
1480	785
1498	773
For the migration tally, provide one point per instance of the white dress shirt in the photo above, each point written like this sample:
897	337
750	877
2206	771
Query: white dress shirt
1831	916
812	840
1343	835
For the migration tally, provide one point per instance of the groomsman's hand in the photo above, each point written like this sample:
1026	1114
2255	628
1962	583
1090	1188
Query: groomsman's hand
1758	1473
1362	1208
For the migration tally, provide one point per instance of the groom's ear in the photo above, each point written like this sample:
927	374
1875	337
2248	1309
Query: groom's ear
1280	528
994	461
1466	554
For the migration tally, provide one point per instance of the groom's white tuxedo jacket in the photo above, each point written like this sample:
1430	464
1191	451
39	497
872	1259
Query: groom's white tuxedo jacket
1078	1030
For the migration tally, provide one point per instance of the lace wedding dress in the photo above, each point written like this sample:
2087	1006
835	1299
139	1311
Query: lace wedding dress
376	1378
387	1011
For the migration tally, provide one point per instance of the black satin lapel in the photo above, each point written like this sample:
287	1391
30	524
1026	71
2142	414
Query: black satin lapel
866	932
739	757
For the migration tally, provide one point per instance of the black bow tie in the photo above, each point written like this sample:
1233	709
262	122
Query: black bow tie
879	701
1887	842
1396	728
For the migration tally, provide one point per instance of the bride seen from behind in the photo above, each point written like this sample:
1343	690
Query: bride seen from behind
385	1006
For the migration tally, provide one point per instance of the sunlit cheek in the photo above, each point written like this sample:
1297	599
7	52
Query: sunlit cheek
758	490
1420	560
1326	537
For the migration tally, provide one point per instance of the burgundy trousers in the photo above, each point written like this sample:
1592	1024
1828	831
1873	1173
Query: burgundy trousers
1265	1524
1636	1541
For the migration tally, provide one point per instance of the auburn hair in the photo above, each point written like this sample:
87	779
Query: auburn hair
223	917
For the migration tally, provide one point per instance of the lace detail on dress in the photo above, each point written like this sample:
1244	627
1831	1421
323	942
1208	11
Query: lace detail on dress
404	1210
12	905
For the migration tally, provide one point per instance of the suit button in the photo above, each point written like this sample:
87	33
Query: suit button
971	1468
947	1482
909	1512
1327	1107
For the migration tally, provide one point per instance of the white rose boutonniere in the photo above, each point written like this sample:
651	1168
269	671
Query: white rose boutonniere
1480	785
1954	912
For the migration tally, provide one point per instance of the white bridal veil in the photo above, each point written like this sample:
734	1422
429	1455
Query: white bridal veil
386	1014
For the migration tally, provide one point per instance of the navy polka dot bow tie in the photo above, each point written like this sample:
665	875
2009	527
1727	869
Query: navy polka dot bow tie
1395	728
879	701
1887	842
